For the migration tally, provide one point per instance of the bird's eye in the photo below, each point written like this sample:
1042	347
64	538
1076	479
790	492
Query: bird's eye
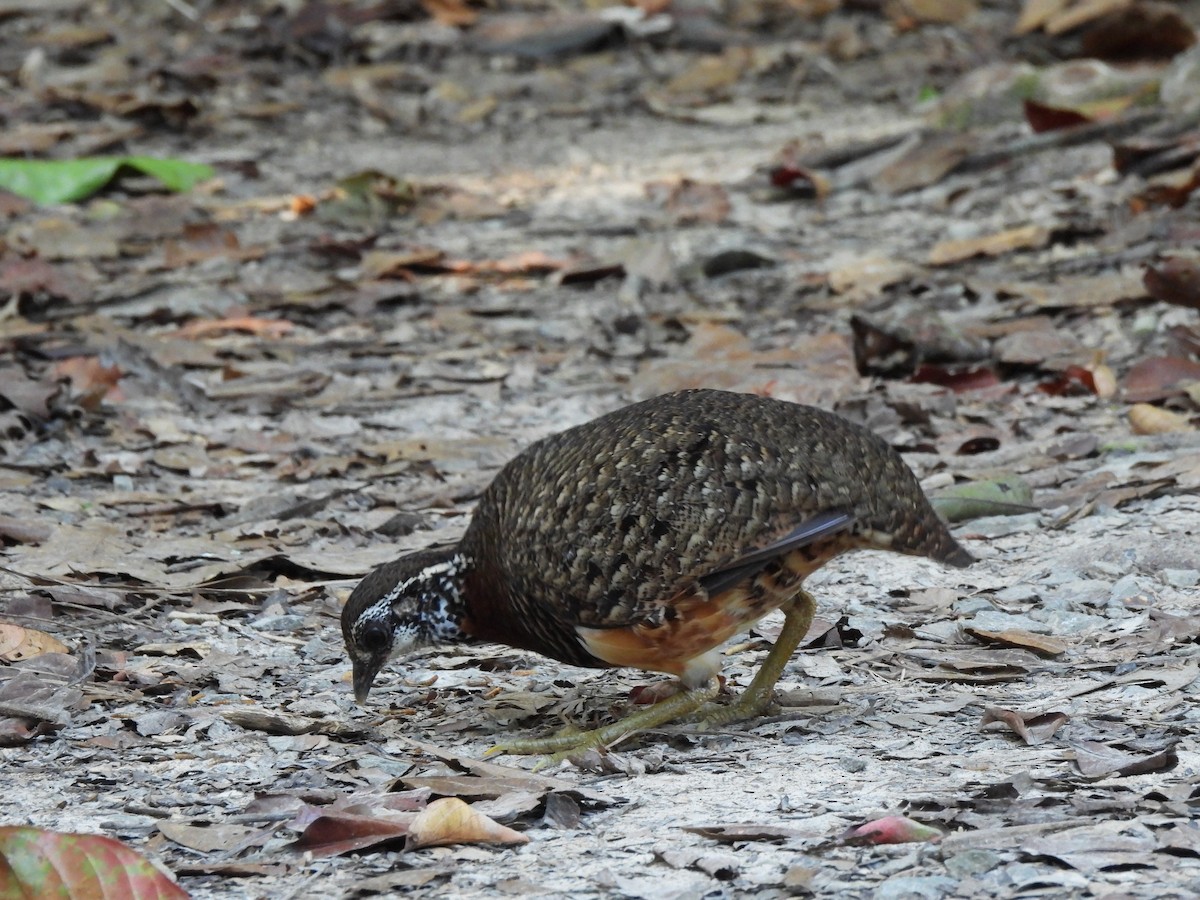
375	637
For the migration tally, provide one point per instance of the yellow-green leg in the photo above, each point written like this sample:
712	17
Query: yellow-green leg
693	705
562	746
797	618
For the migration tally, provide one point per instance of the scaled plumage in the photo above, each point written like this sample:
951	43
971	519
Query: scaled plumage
648	536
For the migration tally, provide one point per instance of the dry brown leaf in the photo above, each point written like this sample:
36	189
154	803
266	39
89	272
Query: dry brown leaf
1142	30
450	12
91	380
927	163
711	76
333	834
206	838
1032	729
269	328
1144	418
1097	760
24	531
1174	280
1026	640
1160	377
17	642
869	275
451	821
1027	237
691	202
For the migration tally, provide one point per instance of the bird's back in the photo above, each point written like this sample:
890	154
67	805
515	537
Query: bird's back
601	522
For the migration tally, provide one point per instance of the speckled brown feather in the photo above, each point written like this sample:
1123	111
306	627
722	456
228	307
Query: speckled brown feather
608	524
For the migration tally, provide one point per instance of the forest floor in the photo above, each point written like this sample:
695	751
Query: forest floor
437	232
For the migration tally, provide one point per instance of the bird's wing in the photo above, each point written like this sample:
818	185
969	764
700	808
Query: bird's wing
720	575
747	565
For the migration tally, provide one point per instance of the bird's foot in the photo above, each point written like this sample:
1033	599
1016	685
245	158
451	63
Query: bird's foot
566	745
748	705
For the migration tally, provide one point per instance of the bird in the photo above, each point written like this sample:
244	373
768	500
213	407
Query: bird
646	538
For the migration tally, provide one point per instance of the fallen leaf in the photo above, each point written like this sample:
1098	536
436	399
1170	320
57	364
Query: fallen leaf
335	834
1174	280
1042	117
206	838
1026	237
1001	496
17	642
1032	729
1139	30
690	202
268	328
66	180
927	162
473	787
24	531
1147	419
1097	760
451	821
39	863
956	378
454	13
1160	377
1026	640
731	834
91	380
891	830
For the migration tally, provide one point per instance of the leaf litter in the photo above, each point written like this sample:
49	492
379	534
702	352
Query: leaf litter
217	410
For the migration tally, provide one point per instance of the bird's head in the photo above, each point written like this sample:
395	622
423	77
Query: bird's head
399	607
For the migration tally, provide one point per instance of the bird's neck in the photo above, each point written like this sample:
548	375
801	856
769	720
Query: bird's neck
443	600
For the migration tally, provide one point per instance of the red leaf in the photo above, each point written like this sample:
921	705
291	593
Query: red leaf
1175	281
891	830
958	380
1160	377
1051	118
330	835
39	863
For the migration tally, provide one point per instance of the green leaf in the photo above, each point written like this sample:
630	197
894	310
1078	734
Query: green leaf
64	181
175	174
38	863
1006	495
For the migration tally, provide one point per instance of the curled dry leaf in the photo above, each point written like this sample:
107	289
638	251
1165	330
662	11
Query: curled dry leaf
1104	380
1145	418
891	830
1032	729
451	821
1096	760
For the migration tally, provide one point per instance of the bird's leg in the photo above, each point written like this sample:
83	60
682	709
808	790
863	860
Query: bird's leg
797	617
563	746
693	704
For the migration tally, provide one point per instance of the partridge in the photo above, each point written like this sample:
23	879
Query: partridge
647	538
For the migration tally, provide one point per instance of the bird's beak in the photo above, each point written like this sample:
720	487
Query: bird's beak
364	677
